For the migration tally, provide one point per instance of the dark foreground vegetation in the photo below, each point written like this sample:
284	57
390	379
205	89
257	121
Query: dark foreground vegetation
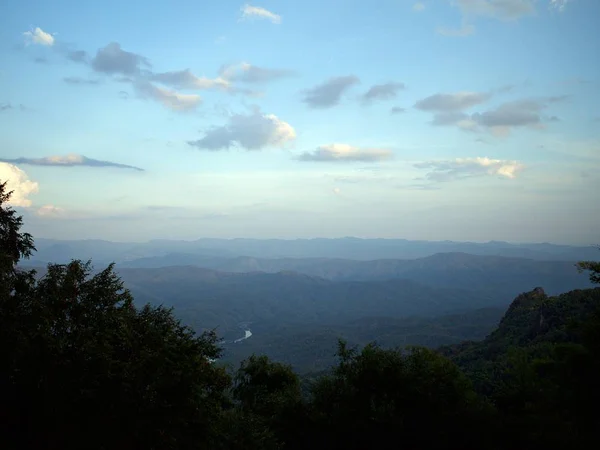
82	368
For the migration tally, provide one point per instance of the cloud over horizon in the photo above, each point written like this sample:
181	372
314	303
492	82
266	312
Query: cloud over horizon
50	211
461	168
346	153
253	131
19	183
71	160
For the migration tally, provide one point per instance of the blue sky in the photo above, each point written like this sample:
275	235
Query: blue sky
437	119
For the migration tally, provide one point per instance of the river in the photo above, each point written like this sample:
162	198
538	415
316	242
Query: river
247	334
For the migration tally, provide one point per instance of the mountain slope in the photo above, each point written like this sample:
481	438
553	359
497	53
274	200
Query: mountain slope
209	298
506	276
311	347
532	319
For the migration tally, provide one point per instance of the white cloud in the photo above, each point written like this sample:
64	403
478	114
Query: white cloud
71	160
250	12
38	36
50	211
185	79
171	99
18	182
253	131
460	168
418	6
346	153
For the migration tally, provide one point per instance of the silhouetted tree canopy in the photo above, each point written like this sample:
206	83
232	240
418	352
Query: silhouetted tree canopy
593	267
81	367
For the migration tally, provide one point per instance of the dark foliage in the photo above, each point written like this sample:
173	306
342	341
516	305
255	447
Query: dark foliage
593	267
81	367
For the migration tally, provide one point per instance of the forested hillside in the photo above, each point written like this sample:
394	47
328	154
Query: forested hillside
297	318
441	269
311	347
221	299
84	366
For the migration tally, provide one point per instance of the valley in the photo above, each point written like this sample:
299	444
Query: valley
294	309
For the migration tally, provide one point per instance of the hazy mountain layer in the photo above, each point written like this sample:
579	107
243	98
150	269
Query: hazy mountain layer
457	270
348	248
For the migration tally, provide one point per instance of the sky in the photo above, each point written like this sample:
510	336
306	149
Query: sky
468	120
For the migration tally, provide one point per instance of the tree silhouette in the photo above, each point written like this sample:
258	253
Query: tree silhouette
82	367
593	267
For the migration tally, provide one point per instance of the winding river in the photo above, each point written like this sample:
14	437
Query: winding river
247	334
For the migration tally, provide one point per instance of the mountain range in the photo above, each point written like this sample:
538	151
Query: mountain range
176	252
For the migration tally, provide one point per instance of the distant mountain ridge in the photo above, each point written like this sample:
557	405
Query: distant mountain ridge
447	270
343	248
